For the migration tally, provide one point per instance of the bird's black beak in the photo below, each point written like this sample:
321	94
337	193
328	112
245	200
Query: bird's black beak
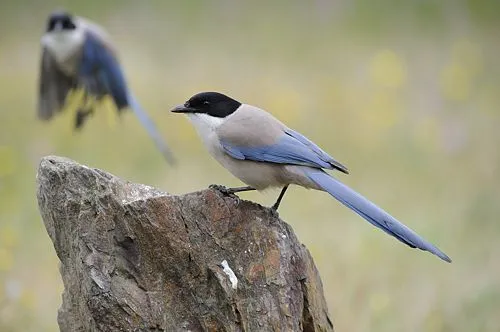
183	109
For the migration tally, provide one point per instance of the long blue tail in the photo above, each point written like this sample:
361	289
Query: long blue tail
150	127
372	213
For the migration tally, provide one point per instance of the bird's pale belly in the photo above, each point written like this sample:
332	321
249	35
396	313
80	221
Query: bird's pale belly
255	174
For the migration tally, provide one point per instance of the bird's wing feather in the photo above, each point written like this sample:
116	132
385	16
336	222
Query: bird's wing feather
98	32
262	137
100	72
54	86
286	150
316	149
273	143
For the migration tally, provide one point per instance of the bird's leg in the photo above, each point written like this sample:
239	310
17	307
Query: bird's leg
280	197
84	111
230	191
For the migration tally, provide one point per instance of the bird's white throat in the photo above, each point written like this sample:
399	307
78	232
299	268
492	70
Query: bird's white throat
63	44
204	123
206	126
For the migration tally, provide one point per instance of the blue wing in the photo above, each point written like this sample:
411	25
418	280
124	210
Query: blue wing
317	150
101	74
291	148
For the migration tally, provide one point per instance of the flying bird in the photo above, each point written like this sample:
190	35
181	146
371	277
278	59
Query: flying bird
263	152
78	54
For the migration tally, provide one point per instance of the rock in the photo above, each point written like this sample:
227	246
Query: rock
134	258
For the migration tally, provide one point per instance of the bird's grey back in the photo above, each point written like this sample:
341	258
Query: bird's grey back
251	126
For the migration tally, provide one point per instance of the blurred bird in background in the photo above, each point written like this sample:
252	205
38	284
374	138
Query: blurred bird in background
78	55
262	152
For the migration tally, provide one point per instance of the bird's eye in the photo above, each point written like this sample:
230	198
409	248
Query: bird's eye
186	104
68	25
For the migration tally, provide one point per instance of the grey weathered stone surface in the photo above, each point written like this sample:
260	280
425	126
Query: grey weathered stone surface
137	259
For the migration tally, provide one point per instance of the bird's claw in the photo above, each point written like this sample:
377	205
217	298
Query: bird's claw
274	212
236	200
226	192
79	119
81	116
222	189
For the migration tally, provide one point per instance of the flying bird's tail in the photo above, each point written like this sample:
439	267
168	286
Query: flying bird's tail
150	127
372	213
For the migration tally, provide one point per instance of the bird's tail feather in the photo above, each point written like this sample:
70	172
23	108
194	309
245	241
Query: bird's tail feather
372	213
150	127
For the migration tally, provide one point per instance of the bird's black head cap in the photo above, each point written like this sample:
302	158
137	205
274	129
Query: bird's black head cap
212	103
60	19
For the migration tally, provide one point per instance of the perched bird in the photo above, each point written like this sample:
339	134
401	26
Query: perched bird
78	54
263	152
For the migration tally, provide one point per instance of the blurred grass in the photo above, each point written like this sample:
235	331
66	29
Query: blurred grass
406	94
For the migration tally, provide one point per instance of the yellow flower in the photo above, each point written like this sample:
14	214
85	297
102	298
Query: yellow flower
465	64
388	69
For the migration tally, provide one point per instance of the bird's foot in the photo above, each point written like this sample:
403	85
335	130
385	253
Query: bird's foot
230	191
222	189
274	212
236	200
81	117
274	208
226	192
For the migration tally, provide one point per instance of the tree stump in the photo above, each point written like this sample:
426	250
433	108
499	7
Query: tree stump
134	258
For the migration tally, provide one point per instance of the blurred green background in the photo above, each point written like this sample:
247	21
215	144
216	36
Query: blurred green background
405	93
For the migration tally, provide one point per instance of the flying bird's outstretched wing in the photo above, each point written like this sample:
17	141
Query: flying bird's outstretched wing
54	86
99	74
